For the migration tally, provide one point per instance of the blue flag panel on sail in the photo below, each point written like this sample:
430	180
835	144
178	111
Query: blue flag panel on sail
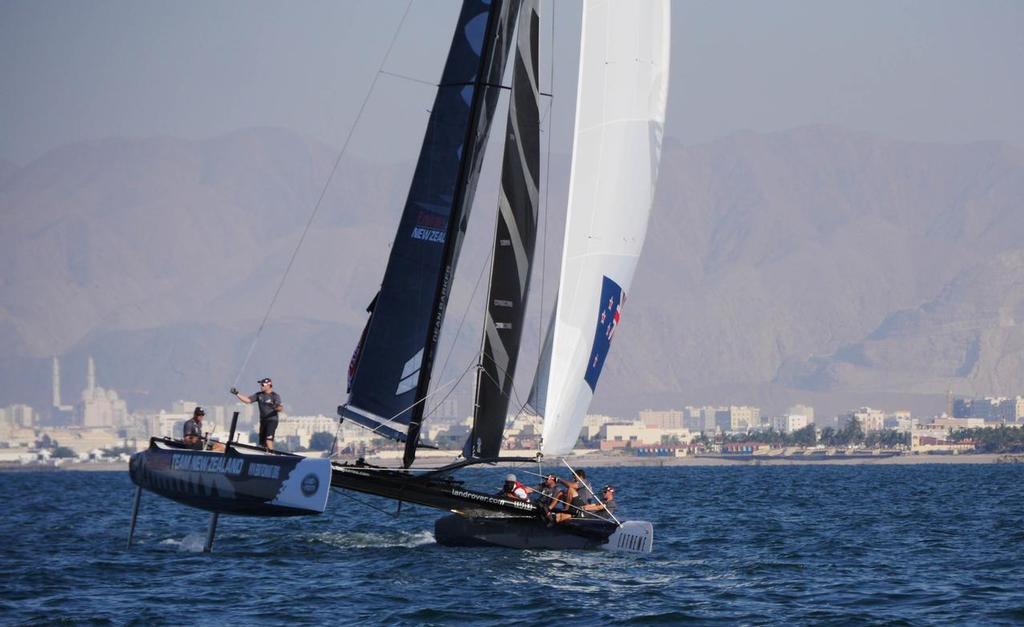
609	309
391	372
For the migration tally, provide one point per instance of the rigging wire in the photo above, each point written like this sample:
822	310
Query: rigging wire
587	486
364	503
323	193
465	312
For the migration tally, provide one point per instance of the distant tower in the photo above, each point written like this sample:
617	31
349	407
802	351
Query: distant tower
949	402
56	381
90	376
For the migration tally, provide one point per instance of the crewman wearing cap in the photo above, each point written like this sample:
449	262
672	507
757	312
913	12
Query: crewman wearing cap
607	504
192	435
513	489
270	405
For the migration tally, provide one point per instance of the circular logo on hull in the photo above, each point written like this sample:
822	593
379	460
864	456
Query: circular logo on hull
310	484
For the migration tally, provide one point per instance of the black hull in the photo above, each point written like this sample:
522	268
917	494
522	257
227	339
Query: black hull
243	481
428	489
522	533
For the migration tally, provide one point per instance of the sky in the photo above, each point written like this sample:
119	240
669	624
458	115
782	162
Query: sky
927	70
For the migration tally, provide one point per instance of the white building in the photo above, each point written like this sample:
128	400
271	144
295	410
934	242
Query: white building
738	418
303	427
870	419
790	423
802	410
662	419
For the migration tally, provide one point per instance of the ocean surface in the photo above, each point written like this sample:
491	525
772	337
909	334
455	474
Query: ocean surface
922	544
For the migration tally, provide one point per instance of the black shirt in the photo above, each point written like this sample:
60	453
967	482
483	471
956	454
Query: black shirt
268	404
193	427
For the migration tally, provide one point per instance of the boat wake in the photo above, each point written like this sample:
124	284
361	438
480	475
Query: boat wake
192	543
377	539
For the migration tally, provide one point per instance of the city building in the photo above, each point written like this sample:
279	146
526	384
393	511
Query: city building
802	410
663	419
990	408
737	418
953	424
869	419
692	418
790	423
302	428
99	407
20	416
634	434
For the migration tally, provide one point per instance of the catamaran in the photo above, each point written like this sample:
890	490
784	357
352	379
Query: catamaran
620	111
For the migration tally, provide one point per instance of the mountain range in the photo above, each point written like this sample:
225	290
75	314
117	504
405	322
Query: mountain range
815	265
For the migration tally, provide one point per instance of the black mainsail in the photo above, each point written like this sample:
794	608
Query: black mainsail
514	239
392	372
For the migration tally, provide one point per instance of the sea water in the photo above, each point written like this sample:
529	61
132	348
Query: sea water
871	544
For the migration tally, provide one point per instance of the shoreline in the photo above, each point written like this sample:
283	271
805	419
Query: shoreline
597	460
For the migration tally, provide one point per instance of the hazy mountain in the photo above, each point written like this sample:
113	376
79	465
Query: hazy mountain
815	264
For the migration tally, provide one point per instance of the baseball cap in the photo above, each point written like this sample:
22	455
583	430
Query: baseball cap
264	380
198	412
510	477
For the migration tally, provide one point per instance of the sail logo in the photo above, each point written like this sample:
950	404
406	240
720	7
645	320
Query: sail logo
430	227
609	311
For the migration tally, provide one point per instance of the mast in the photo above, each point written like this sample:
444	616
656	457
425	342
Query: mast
391	372
514	238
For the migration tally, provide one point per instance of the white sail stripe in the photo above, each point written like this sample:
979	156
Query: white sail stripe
407	383
380	420
498	351
522	261
413	365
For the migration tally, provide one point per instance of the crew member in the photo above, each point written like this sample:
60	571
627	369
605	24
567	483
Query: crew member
270	405
192	434
580	493
544	494
607	504
513	489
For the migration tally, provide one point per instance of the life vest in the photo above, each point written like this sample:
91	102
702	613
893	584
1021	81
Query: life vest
514	492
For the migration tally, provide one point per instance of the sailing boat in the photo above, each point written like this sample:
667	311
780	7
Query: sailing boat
621	99
622	91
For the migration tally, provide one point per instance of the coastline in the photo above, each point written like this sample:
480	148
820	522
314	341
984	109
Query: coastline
598	460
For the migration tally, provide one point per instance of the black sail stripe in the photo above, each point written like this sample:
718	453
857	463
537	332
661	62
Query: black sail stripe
515	236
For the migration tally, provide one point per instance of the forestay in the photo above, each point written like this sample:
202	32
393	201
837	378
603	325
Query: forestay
620	113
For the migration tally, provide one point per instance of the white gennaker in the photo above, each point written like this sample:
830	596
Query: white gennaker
620	116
